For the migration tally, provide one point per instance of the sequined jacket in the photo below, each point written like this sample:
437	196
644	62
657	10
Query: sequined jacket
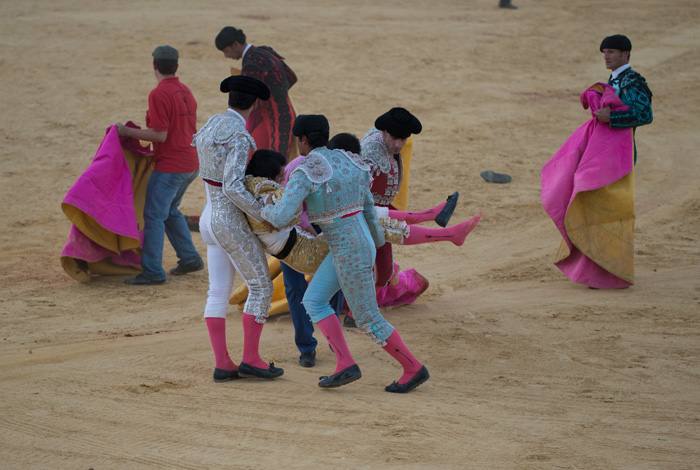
262	189
385	168
635	93
223	145
333	183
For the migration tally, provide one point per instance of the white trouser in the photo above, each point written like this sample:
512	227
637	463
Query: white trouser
222	271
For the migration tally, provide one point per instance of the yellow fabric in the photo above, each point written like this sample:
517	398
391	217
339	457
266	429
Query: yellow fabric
401	199
600	224
141	168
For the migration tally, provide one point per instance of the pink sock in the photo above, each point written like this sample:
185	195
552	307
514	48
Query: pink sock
330	326
251	342
417	217
456	234
399	351
217	337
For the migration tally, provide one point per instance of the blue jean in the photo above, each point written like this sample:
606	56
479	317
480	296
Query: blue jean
294	288
162	217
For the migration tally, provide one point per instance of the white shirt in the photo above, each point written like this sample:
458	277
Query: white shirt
247	46
616	73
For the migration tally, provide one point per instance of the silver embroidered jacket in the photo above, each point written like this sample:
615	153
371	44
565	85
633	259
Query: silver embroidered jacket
384	167
223	144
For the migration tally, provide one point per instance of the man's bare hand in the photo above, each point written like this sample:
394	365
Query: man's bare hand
122	129
603	114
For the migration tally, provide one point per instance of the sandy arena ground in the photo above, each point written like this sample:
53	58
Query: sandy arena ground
528	370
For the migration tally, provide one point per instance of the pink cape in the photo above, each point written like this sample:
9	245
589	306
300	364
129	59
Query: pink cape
104	192
593	157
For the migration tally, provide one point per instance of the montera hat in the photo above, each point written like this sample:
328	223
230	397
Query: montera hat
306	124
616	41
398	122
244	84
165	53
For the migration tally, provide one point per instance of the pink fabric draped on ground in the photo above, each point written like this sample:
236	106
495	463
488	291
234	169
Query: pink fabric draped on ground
105	194
408	287
593	157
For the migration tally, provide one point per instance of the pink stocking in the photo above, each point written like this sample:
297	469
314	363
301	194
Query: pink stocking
330	326
455	234
251	342
417	217
399	351
217	337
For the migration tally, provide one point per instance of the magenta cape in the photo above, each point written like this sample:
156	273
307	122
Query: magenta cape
593	157
101	206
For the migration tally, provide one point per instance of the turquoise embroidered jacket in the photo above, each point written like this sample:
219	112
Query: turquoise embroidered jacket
634	92
332	183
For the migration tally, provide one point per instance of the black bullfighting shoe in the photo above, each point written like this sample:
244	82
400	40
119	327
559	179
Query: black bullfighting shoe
222	375
443	218
307	359
421	376
344	377
272	372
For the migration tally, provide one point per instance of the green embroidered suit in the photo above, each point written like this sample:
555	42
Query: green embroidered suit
632	89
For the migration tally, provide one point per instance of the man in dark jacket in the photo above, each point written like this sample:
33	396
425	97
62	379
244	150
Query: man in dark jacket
270	123
630	86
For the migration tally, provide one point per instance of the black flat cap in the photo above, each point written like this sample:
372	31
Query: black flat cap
243	84
227	36
616	41
398	122
308	123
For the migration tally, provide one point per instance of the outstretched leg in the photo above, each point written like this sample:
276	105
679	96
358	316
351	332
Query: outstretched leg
455	234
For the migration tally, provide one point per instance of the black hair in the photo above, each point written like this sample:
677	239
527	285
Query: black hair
317	138
345	141
165	66
240	100
227	36
266	163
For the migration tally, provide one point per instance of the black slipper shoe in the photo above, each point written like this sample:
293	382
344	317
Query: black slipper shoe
443	218
493	177
272	372
222	375
345	376
421	376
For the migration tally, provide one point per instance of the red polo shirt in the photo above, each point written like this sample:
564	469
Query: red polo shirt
172	108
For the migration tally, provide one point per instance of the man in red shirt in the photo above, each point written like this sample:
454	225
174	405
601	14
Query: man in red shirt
171	121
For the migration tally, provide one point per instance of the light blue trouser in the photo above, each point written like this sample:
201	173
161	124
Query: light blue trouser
349	266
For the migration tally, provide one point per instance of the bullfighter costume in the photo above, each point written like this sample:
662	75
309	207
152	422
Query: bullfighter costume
335	188
223	145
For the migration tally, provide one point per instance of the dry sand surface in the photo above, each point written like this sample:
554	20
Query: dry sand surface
528	370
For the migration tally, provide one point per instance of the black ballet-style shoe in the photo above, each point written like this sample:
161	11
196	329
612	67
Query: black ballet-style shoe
272	372
222	375
344	377
421	376
443	218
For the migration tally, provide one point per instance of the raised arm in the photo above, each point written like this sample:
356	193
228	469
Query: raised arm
284	211
234	177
